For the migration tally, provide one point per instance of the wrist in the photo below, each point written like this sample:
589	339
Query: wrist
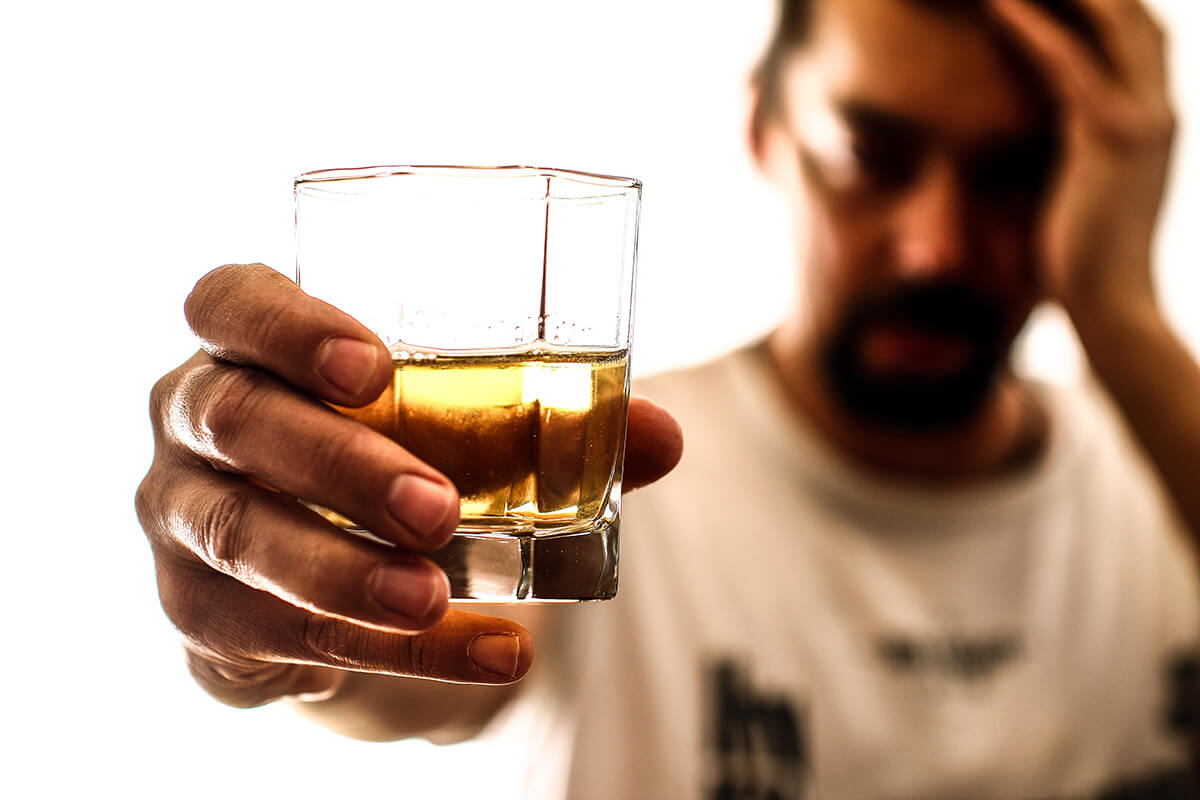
1098	307
1114	327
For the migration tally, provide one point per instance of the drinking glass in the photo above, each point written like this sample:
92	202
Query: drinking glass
505	297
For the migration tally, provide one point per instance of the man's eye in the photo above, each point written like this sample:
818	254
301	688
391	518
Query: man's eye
1015	178
886	164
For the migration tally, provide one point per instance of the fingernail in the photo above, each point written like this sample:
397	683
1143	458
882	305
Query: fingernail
410	590
422	506
496	652
346	363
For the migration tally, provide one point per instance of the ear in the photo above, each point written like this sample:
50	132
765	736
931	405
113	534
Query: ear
773	151
756	122
767	137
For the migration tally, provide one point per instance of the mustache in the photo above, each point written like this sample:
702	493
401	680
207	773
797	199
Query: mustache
947	309
915	402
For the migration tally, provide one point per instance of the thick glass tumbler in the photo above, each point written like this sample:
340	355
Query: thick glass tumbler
505	296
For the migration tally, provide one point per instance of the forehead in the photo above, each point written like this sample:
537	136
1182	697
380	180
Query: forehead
944	70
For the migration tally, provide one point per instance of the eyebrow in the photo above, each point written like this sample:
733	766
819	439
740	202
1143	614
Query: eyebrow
864	116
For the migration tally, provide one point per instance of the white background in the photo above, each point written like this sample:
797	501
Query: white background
145	143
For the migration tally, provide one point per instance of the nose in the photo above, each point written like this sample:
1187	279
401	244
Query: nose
930	225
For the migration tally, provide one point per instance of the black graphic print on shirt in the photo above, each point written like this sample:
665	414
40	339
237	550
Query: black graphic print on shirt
1183	691
968	658
756	738
759	748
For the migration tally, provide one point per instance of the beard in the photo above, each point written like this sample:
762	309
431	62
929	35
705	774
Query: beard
911	400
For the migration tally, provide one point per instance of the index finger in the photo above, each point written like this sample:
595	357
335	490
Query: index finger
1126	29
653	445
250	314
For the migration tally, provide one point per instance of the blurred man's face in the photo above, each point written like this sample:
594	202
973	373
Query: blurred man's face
915	151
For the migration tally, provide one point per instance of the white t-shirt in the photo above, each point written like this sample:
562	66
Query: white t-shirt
787	623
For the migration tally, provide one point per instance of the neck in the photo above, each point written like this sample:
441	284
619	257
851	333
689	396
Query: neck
1009	429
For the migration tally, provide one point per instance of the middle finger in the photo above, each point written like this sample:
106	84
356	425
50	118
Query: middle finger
273	544
249	421
1131	39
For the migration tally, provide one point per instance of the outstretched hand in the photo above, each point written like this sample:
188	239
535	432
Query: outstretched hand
270	598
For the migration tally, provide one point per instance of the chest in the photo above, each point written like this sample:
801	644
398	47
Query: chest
787	647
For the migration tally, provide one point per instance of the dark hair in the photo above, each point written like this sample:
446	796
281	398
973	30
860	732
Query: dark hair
793	23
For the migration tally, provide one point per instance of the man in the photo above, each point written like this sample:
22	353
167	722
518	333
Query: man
888	567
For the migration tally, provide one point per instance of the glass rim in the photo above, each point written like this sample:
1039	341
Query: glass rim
464	171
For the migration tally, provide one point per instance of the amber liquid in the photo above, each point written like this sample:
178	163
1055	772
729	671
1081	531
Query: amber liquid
533	440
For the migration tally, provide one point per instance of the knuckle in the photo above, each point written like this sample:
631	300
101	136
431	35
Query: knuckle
1155	128
184	601
330	641
206	407
160	394
146	502
1135	127
172	393
164	503
216	291
423	656
335	642
227	399
222	531
1167	124
209	295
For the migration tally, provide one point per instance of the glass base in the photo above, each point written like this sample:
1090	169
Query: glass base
505	560
499	568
